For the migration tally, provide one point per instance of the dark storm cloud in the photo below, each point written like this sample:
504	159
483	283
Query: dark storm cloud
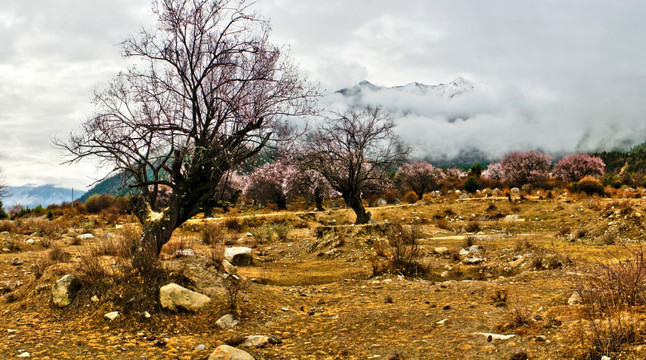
558	75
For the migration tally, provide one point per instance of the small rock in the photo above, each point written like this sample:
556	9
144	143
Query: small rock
516	262
200	347
257	341
228	267
605	357
65	289
86	236
24	354
146	314
491	336
226	322
17	262
442	322
474	249
238	255
511	218
226	352
473	261
575	299
174	297
111	315
30	241
541	338
184	252
447	307
463	252
94	298
284	309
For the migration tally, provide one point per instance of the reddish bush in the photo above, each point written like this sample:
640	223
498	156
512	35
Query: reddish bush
575	167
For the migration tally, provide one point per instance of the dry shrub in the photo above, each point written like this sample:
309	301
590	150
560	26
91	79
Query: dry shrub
262	233
517	312
13	244
404	249
443	224
499	297
40	264
46	242
473	227
43	227
523	244
90	270
519	355
491	208
410	197
56	254
252	221
233	223
233	285
211	233
282	230
216	254
469	241
564	231
174	245
9	226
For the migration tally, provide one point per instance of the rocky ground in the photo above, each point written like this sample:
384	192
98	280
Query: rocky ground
496	281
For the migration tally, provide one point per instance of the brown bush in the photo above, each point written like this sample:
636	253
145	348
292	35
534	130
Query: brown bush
95	203
410	197
473	227
8	225
57	254
211	233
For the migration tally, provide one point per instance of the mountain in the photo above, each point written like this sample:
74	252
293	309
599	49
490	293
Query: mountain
448	90
32	195
113	185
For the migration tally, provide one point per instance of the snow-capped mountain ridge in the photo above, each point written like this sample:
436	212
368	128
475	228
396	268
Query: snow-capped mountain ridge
446	90
31	195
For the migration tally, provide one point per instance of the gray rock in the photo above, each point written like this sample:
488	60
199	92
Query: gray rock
491	336
464	197
174	297
238	255
65	289
200	347
474	249
226	352
226	322
575	299
382	202
30	241
257	341
86	236
463	252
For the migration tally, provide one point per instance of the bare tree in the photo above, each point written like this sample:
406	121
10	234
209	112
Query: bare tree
209	92
354	151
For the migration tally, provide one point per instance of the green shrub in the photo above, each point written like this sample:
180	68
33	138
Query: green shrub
471	185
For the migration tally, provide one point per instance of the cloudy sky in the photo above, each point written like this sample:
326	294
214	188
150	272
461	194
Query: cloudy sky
561	76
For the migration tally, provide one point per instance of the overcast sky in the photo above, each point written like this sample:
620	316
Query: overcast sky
558	75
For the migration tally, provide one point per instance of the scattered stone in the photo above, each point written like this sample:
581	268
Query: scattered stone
442	322
86	236
94	298
606	357
491	336
382	202
30	241
517	262
111	315
447	307
17	262
441	250
24	354
473	261
226	322
515	190
226	352
541	338
228	267
463	252
184	252
274	340
575	299
65	289
464	197
200	347
238	255
513	217
174	297
474	249
146	314
257	341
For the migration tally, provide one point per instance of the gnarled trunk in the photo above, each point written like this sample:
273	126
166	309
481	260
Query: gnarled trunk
318	198
355	203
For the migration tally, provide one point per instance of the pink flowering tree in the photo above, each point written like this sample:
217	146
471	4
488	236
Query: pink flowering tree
494	172
420	177
208	92
309	184
354	150
525	167
268	183
575	167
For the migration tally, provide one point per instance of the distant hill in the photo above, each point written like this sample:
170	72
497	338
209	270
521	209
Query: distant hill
113	185
31	195
633	161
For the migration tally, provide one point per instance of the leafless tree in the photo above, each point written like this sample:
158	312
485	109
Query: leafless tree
208	92
354	151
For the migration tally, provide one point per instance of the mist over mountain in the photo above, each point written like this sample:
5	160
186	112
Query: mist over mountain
465	121
32	195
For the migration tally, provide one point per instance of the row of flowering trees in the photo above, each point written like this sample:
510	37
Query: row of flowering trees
289	177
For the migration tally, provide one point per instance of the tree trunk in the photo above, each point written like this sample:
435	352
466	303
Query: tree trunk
318	198
355	203
158	228
282	203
